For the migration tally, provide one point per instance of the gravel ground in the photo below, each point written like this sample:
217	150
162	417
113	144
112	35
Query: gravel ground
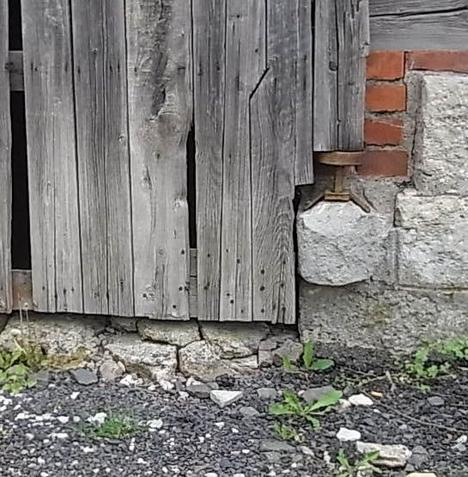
42	433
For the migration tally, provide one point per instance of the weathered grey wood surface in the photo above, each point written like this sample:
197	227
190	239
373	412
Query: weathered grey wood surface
55	244
209	31
273	139
253	142
341	47
419	24
15	68
99	56
160	113
5	166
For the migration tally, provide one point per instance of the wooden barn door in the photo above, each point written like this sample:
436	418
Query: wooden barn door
113	88
108	110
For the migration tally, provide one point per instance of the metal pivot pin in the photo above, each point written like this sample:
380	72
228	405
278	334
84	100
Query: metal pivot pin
339	160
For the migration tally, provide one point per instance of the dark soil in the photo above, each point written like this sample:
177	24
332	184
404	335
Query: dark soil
192	442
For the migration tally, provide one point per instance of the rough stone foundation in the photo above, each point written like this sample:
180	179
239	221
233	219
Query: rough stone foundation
413	277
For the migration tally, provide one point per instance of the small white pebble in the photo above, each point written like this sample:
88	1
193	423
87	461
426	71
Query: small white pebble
155	424
131	446
234	430
219	425
29	436
74	395
63	419
88	450
76	419
98	418
360	400
41	461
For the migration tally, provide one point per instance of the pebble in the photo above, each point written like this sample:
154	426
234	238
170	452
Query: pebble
273	445
155	424
199	390
348	435
225	398
267	393
392	456
98	418
306	451
419	457
63	419
110	371
84	376
435	401
360	400
249	411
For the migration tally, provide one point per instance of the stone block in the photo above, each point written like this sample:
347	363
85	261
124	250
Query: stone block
340	244
178	333
153	360
374	316
441	148
433	243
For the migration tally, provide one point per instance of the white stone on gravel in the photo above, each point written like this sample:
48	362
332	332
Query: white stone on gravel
267	393
156	361
202	361
348	435
391	456
74	395
63	419
155	424
435	401
340	244
98	418
84	376
110	371
235	340
249	411
129	380
225	398
360	400
306	451
177	333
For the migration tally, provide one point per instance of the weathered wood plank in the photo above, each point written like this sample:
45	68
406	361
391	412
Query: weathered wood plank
209	21
245	67
341	46
304	102
5	166
273	140
419	24
103	156
15	68
412	7
50	125
160	113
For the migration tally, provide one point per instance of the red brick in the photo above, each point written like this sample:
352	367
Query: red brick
386	97
383	132
456	61
384	162
386	65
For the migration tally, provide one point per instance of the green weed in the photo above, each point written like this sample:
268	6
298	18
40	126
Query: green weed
17	367
362	466
295	408
114	426
309	362
288	433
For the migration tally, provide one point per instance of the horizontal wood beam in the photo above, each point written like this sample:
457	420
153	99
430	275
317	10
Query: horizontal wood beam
15	67
419	24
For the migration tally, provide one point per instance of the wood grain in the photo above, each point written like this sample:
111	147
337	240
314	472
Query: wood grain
341	47
5	167
245	67
103	156
50	125
419	24
273	135
209	32
160	114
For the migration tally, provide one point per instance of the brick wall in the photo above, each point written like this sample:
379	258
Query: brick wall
386	126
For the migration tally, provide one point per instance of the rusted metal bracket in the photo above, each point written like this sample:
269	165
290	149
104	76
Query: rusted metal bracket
340	160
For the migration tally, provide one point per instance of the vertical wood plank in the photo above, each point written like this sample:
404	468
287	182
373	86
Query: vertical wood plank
274	130
245	67
341	46
160	113
50	126
5	166
326	76
304	101
209	22
99	50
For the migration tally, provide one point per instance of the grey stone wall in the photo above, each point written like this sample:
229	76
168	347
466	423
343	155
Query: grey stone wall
412	277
